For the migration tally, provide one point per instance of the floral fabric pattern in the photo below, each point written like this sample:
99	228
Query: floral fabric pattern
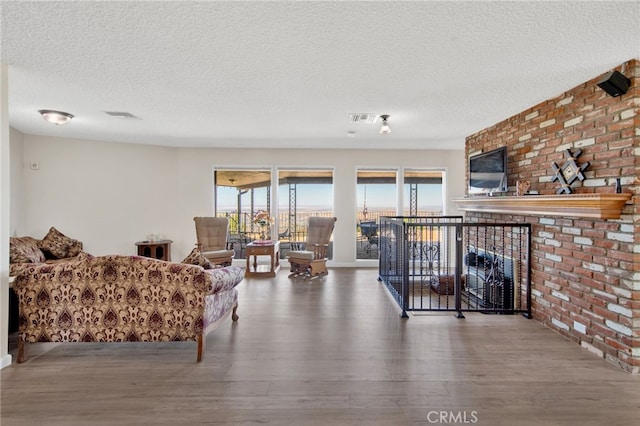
17	268
122	298
196	258
59	245
224	278
25	250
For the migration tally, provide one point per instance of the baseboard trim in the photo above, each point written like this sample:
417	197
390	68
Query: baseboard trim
5	361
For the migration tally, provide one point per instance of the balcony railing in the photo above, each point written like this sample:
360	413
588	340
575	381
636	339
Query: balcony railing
243	230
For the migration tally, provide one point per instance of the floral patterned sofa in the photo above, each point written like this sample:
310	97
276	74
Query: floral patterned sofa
123	299
53	248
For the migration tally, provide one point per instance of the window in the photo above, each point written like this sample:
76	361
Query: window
376	196
302	193
422	193
241	195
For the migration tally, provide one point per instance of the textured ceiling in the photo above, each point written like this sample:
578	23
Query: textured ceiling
287	74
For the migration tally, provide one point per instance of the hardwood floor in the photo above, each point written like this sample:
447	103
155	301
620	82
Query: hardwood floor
332	351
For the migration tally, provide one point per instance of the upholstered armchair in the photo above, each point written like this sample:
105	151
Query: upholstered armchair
312	261
212	234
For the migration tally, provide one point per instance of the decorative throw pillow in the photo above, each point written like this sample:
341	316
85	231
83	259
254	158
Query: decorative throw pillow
59	245
196	258
25	250
75	248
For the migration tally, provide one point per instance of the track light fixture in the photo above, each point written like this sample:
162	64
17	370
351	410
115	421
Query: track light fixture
384	129
55	117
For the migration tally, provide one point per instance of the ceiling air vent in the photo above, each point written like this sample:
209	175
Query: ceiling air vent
362	117
120	114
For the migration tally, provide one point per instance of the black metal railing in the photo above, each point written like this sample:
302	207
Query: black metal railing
443	264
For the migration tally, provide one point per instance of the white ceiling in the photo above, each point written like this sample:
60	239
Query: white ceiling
287	74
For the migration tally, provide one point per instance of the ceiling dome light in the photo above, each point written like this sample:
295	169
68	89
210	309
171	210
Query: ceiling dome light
384	129
55	117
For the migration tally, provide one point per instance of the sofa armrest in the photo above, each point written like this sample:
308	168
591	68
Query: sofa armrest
225	278
17	268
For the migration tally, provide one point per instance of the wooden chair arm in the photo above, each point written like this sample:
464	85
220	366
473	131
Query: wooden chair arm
320	251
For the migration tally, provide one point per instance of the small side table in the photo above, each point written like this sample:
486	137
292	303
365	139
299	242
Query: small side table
160	250
272	250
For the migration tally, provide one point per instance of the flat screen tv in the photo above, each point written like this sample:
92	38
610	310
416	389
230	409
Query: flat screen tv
488	172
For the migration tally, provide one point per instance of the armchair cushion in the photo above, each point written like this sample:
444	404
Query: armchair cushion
196	258
217	254
59	245
25	250
302	254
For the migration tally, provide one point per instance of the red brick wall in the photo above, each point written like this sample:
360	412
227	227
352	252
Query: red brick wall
585	273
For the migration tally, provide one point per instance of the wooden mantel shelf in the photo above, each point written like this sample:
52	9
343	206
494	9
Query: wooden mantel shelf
596	206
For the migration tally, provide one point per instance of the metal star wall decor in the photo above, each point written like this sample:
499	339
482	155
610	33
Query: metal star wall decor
569	172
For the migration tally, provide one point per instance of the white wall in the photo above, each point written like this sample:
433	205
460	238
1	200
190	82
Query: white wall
111	195
5	209
16	183
107	195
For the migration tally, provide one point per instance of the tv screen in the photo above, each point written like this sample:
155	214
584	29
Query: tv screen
488	172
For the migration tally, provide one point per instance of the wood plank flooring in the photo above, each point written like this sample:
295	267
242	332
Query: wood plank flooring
332	351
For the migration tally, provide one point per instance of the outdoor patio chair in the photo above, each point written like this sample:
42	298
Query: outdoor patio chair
311	262
369	231
212	234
